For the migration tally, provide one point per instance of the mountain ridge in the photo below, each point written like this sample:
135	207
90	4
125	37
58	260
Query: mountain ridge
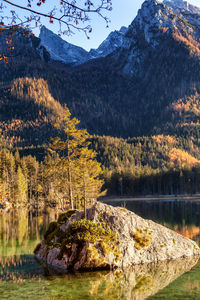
68	53
133	91
65	52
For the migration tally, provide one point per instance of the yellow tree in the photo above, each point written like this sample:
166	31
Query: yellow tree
21	187
88	173
75	167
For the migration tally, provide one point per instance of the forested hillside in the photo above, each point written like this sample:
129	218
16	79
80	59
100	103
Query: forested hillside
141	102
28	112
123	94
160	164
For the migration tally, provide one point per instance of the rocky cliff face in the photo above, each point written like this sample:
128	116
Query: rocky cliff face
61	50
111	237
65	52
115	40
156	21
147	28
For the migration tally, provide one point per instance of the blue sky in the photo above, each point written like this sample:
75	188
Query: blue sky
123	13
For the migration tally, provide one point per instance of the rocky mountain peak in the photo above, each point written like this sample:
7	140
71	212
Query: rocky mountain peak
185	11
181	4
61	50
155	20
115	40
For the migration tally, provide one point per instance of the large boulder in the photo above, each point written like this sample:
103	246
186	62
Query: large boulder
110	237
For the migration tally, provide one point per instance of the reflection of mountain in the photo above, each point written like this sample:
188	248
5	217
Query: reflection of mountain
136	283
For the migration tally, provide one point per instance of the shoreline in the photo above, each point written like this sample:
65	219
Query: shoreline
194	197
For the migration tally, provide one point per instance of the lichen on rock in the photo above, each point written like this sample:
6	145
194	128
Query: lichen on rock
109	238
142	238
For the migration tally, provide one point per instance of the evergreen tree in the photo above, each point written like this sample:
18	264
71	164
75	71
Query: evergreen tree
75	169
21	186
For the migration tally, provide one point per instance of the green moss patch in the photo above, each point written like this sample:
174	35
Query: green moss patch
52	231
142	238
66	216
85	231
143	284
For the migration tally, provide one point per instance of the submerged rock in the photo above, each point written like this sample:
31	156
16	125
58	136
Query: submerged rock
111	237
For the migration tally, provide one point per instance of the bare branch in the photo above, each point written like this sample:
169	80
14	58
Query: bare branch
68	14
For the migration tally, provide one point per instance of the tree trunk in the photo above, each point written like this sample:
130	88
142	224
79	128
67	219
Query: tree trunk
70	189
85	208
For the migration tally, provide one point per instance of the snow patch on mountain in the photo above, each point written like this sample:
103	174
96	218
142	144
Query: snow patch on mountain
61	50
154	19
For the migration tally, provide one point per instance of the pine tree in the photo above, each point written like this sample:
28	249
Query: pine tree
74	169
88	172
21	186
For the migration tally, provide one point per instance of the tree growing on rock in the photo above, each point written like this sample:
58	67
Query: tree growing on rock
72	167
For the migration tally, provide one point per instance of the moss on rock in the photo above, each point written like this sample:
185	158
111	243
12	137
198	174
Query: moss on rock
52	227
109	238
85	231
98	239
66	216
142	238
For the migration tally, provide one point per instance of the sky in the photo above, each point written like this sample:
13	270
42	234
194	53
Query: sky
122	14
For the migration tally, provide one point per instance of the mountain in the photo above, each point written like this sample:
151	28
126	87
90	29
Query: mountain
149	85
184	7
115	40
65	52
154	23
61	50
145	95
28	112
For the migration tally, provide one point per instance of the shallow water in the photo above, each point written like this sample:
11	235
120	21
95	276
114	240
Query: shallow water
22	277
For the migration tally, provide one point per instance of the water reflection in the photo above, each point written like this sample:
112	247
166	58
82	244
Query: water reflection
139	282
22	277
21	229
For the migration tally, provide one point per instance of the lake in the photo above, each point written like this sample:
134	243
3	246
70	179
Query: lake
22	277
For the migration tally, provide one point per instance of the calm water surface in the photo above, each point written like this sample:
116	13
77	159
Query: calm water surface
22	277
